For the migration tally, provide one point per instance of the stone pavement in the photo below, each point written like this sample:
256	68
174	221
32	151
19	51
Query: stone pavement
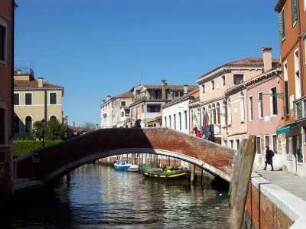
292	183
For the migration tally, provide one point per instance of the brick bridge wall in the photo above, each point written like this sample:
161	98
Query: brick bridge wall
103	143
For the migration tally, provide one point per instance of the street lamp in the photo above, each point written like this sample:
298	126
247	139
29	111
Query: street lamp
43	122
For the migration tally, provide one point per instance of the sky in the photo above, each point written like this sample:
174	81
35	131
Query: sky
95	48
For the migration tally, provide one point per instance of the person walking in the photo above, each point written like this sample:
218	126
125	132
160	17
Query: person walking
269	158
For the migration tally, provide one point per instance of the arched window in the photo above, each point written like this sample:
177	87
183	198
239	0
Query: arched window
53	118
218	113
214	114
16	124
28	124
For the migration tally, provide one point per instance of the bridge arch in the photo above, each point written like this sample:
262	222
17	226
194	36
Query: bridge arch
55	161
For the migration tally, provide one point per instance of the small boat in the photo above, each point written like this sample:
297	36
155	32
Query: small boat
171	173
133	168
121	165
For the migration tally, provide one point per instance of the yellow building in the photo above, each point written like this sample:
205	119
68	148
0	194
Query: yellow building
34	100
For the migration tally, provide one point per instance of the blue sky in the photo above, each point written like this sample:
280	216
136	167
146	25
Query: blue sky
95	48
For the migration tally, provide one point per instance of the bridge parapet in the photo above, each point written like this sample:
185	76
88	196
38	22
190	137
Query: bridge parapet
59	159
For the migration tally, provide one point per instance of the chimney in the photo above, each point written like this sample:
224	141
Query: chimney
164	86
40	81
267	58
185	89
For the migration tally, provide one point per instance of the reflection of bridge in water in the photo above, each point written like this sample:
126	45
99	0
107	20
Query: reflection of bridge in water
57	160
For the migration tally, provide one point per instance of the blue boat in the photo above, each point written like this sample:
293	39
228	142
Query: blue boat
122	165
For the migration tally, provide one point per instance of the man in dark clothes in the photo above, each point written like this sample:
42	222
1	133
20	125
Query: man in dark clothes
269	158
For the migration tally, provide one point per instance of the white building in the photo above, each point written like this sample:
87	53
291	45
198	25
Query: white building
115	111
175	114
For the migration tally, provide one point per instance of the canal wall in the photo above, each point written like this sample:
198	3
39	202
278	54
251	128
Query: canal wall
269	206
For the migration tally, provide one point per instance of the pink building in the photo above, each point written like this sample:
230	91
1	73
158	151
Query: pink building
265	111
6	91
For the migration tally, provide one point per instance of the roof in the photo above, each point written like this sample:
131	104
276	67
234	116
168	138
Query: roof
246	62
279	5
33	84
125	95
191	95
168	87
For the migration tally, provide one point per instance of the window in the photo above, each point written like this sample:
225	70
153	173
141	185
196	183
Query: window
203	88
251	108
287	102
238	79
267	141
242	108
237	143
170	121
16	123
165	124
232	144
223	80
258	149
274	101
260	105
53	98
2	42
212	85
180	121
16	99
294	11
274	142
28	124
186	120
2	126
123	103
151	108
297	74
281	25
28	99
174	121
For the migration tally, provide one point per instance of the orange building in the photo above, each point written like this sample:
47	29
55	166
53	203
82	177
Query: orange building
292	30
6	90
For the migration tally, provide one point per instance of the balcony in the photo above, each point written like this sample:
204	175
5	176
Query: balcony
300	108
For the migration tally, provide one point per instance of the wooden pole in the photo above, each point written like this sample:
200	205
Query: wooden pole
241	180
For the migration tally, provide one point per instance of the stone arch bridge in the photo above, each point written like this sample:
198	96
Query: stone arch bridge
55	161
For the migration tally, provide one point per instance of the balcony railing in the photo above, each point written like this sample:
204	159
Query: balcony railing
300	108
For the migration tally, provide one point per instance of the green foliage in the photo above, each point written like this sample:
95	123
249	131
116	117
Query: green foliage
21	148
53	130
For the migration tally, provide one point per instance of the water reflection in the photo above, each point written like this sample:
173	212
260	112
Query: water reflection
99	197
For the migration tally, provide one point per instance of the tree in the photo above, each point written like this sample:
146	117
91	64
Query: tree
88	127
38	130
53	130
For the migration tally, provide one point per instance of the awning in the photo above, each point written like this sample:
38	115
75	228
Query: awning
285	129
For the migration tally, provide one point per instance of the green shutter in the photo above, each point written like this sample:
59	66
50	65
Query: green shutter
281	24
294	11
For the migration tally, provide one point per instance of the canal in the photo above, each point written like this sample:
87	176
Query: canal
96	196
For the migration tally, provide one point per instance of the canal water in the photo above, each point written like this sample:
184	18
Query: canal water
96	196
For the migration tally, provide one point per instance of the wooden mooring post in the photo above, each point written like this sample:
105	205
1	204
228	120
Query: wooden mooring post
243	165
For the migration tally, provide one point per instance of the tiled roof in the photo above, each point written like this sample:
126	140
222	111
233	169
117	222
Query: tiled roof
33	84
128	94
279	5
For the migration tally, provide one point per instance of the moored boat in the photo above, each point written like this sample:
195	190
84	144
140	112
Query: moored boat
133	168
171	173
121	165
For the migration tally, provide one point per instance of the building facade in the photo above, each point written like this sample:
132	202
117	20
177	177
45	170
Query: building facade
149	99
218	112
175	114
115	111
7	8
34	100
292	32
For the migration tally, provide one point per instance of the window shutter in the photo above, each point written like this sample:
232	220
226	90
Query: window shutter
281	24
294	11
